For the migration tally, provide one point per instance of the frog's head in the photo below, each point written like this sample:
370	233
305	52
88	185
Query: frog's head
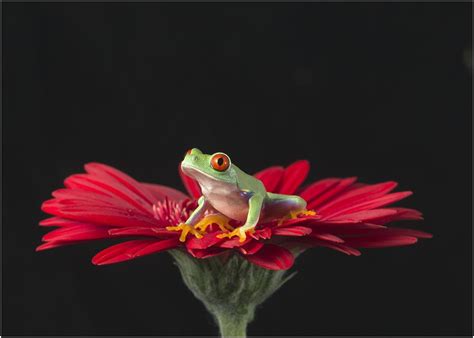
207	169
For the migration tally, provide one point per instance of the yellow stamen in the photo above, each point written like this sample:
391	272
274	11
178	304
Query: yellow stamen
220	220
185	229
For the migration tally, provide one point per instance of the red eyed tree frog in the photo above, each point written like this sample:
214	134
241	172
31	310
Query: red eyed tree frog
229	193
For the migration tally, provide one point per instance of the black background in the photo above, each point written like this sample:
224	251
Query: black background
376	90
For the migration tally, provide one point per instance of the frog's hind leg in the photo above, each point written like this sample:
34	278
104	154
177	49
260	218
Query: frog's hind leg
285	206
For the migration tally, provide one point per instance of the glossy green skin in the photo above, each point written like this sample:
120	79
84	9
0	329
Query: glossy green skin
235	194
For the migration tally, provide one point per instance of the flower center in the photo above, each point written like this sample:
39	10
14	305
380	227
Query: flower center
173	212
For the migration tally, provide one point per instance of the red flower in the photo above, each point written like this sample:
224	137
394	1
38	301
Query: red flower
106	203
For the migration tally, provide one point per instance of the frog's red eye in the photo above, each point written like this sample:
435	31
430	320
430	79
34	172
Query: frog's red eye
188	152
220	162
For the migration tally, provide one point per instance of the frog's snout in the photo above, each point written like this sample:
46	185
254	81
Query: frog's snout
190	160
195	151
193	158
192	155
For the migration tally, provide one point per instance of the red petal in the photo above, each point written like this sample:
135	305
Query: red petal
345	228
55	244
120	252
251	248
331	193
327	237
205	242
100	185
380	216
163	245
120	185
265	233
371	204
270	177
380	241
191	185
76	196
160	192
77	233
317	188
143	231
358	195
367	215
59	222
383	233
85	182
122	182
60	204
410	232
408	214
293	176
272	257
292	231
336	246
98	214
300	220
132	249
234	242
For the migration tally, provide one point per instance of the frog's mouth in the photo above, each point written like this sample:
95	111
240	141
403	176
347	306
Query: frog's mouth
195	173
199	175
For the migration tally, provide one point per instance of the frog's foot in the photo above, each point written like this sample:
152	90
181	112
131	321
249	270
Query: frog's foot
185	229
220	220
295	214
239	232
304	212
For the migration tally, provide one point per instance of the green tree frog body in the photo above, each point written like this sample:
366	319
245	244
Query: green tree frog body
228	191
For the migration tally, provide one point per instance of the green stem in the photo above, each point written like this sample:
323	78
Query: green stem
231	325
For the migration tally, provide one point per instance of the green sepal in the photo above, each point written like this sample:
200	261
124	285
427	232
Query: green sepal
229	286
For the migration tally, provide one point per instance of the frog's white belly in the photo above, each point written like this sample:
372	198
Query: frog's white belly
233	204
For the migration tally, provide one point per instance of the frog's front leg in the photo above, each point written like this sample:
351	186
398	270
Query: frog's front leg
213	217
198	223
253	215
197	214
188	226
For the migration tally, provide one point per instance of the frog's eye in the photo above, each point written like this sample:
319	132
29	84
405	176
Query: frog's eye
220	162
